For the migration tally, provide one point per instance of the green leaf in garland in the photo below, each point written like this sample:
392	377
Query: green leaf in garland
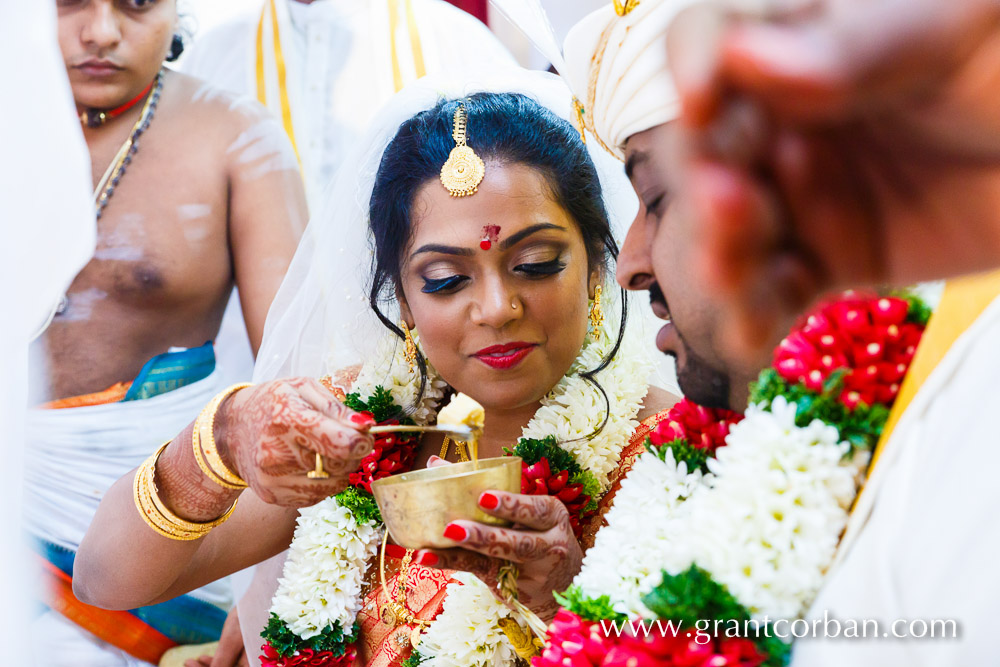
532	451
693	596
281	639
591	487
696	458
380	404
860	427
287	643
361	503
414	660
589	609
919	312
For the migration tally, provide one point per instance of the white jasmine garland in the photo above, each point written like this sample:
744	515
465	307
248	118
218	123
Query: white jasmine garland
330	550
392	372
467	633
321	582
779	501
630	553
574	409
764	522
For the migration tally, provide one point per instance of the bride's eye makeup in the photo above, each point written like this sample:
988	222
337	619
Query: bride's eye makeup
542	269
539	260
435	285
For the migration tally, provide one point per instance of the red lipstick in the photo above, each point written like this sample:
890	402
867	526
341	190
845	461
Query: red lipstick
505	356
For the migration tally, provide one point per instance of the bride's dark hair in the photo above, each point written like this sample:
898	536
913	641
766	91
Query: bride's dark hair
504	127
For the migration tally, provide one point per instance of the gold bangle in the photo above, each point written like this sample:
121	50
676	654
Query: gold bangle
203	442
147	510
200	458
158	516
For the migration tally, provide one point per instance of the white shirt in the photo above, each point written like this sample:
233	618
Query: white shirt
928	552
338	69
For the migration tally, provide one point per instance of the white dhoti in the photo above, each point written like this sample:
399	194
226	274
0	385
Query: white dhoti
73	456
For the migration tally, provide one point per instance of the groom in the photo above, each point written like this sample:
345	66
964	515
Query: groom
632	118
921	540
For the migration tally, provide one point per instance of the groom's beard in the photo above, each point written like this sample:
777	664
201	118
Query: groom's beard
699	381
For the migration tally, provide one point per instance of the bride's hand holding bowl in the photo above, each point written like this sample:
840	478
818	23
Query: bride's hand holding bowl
540	543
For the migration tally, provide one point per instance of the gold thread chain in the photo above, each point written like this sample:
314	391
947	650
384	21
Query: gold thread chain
458	134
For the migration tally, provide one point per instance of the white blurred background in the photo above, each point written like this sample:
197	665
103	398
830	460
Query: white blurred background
202	15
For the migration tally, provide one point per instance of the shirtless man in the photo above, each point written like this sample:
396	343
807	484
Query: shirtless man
210	197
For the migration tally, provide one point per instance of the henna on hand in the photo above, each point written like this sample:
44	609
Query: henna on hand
184	488
270	435
541	544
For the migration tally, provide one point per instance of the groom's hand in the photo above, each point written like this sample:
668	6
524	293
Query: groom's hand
270	435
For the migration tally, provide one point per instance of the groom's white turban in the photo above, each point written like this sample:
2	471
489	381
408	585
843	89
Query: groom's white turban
616	63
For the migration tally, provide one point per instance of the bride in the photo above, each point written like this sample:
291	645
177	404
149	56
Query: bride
485	267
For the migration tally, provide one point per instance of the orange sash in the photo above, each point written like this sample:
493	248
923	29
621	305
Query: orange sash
118	628
113	394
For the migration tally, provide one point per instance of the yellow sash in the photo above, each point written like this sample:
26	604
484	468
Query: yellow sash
279	59
279	63
963	301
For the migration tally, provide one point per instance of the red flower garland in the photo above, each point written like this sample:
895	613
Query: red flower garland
539	480
702	428
574	642
865	334
307	657
393	454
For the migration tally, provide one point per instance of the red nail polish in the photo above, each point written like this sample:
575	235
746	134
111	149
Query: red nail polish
362	419
488	501
455	533
394	551
427	559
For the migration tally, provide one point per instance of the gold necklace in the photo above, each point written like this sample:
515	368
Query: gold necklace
461	447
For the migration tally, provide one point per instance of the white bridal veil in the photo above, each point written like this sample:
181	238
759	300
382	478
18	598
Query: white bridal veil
320	320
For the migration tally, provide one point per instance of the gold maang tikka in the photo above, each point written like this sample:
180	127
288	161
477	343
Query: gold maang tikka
464	170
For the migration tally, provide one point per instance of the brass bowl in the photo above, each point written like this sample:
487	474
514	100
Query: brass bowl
417	505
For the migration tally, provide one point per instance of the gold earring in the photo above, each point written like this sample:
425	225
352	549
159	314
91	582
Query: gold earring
410	353
596	314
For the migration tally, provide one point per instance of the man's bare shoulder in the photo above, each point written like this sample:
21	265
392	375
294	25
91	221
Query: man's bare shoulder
242	131
217	106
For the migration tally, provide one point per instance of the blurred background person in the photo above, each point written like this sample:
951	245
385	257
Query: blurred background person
195	190
47	235
324	68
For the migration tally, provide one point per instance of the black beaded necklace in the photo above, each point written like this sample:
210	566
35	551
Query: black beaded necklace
106	188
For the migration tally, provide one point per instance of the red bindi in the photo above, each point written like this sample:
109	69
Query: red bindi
491	233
